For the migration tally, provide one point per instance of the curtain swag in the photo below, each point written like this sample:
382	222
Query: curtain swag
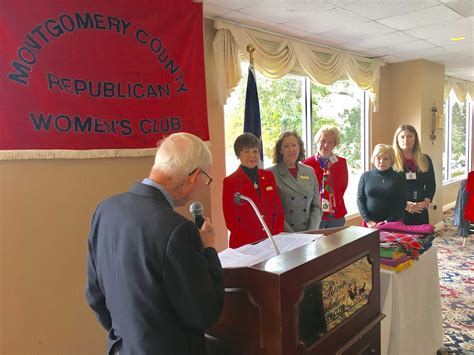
461	88
277	56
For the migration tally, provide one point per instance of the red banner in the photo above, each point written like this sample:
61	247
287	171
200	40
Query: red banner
94	75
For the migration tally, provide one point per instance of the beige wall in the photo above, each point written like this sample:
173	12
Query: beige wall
46	207
45	211
216	132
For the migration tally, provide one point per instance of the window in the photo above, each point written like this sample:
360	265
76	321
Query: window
343	105
281	103
457	128
295	103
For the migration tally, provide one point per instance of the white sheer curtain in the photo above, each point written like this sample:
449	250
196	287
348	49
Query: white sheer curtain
277	56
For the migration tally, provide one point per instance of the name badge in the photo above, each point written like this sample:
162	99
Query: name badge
410	175
304	177
269	188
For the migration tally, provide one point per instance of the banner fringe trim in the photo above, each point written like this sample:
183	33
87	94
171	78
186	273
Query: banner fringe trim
75	154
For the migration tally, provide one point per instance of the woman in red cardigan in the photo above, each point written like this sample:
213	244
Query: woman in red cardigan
257	184
333	177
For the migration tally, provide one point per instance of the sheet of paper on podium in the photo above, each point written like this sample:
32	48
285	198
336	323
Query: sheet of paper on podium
251	254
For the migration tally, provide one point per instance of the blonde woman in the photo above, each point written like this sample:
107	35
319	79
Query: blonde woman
417	170
381	192
332	174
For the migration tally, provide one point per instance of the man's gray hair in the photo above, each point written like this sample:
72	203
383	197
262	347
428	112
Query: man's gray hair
181	154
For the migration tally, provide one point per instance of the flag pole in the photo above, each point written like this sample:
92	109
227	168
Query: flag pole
252	121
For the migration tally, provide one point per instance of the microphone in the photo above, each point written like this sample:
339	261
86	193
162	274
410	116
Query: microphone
237	199
196	210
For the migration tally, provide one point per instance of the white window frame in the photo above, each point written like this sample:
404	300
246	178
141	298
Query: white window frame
365	129
450	101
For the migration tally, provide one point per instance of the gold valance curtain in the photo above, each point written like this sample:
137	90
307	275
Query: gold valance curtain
277	56
461	88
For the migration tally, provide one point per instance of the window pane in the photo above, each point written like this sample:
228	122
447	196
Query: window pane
457	127
447	113
280	110
234	120
457	163
340	105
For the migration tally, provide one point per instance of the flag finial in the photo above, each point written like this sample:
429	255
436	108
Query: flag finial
251	49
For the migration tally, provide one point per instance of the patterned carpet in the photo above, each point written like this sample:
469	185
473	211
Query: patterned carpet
456	265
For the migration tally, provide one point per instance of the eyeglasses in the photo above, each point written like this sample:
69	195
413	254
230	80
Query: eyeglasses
209	179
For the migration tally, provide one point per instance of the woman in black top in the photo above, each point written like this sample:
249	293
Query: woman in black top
417	169
381	193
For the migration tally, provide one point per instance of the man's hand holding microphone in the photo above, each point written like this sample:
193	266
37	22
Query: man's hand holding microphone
206	229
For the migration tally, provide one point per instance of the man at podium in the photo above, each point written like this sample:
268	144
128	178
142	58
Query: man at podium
155	281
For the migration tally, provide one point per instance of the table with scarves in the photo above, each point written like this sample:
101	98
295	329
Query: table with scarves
410	291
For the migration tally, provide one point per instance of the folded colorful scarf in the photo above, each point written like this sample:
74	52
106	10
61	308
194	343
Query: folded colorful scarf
391	253
394	263
398	268
402	227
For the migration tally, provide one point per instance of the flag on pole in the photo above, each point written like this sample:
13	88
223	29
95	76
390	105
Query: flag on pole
252	122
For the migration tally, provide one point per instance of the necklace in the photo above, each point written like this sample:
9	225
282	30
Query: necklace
255	181
252	175
381	177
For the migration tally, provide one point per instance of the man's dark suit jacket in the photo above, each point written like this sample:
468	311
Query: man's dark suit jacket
149	281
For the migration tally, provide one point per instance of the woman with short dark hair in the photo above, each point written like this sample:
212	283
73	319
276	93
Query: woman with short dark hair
257	184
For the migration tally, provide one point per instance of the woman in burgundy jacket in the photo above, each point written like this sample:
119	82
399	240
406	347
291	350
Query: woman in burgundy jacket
333	177
257	184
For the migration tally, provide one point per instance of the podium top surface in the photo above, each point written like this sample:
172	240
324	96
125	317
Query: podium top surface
334	238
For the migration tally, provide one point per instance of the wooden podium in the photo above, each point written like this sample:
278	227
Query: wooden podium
322	298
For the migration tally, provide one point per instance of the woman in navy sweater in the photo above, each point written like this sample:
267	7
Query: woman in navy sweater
417	170
381	196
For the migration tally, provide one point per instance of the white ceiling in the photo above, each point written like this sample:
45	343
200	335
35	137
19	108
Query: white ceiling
394	30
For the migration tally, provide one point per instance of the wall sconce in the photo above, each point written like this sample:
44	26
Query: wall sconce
434	122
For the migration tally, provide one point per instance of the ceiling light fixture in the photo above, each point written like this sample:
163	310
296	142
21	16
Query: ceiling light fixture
460	38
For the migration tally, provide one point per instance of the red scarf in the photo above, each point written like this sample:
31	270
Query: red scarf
410	164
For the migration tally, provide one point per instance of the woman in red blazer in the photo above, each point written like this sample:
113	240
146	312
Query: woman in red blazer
333	177
257	184
469	210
